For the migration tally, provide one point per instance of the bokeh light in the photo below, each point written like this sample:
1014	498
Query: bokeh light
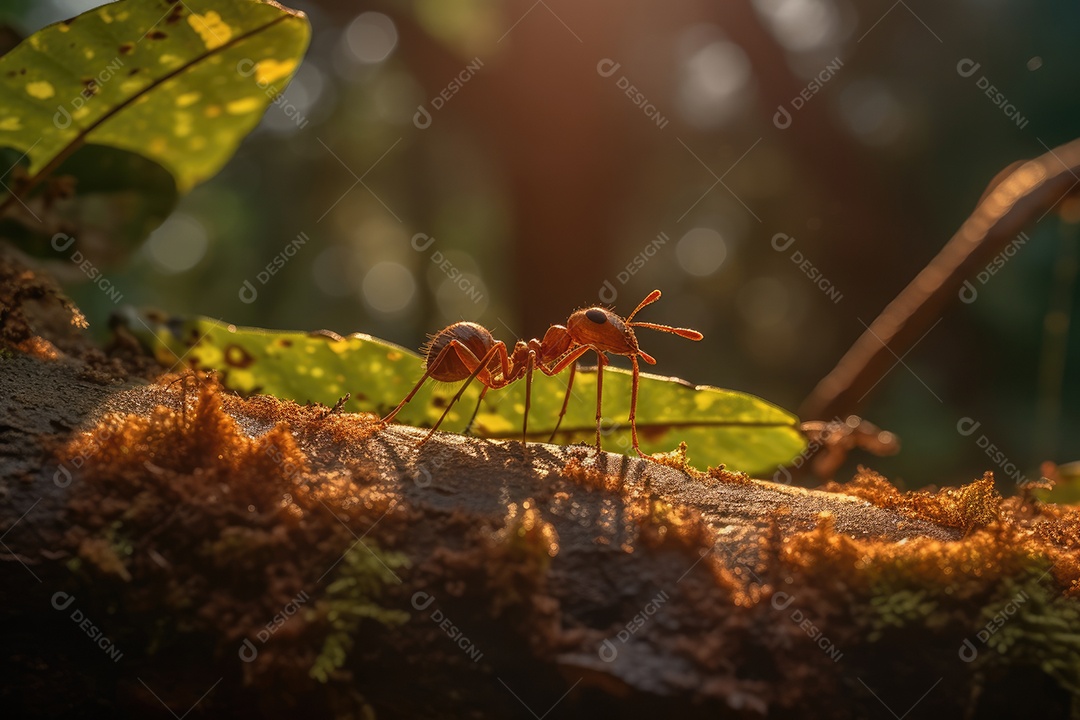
388	287
701	251
371	37
178	244
801	25
715	73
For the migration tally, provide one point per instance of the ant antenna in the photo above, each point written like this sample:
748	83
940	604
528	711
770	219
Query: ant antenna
681	332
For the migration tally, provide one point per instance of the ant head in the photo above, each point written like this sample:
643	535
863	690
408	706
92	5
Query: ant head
474	337
602	329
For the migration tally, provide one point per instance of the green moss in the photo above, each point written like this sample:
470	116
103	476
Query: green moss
899	609
352	598
1031	623
1025	621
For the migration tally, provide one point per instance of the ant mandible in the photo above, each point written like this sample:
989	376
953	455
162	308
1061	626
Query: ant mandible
467	351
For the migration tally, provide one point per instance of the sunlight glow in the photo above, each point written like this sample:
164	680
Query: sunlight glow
178	244
388	287
701	251
872	112
371	37
714	75
801	25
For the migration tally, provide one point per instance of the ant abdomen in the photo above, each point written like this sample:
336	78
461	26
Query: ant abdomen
451	369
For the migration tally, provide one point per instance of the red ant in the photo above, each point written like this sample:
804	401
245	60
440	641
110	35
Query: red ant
467	351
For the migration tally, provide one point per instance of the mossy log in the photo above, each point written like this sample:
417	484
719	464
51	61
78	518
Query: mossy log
171	548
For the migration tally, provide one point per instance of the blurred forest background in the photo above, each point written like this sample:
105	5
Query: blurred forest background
507	161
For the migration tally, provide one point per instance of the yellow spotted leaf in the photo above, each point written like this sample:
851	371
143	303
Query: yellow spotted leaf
181	83
719	426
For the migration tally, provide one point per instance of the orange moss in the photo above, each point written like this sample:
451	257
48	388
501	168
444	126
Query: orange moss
589	475
724	475
150	481
104	556
223	530
662	524
309	420
967	507
1002	536
676	459
965	567
201	445
38	347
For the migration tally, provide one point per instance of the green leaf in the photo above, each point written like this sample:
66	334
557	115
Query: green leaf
179	82
719	426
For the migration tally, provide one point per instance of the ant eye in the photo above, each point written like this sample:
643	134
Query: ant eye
596	315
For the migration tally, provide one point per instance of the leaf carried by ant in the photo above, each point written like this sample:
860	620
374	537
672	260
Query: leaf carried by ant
741	431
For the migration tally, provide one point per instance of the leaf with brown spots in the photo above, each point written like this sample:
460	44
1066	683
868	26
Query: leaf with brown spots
209	70
741	431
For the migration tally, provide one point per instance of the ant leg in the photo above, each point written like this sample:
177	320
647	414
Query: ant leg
633	406
528	399
427	373
569	360
601	360
480	366
565	401
475	412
